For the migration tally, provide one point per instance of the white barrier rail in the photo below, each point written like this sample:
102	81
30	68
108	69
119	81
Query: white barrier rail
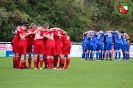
76	50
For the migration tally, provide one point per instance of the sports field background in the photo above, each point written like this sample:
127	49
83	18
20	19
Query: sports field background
81	74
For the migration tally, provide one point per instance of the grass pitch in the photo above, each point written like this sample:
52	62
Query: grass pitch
81	74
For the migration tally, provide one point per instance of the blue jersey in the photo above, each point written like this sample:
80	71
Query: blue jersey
117	38
99	38
108	38
83	41
124	40
93	39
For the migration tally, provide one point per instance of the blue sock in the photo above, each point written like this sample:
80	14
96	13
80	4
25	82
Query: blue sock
91	56
83	55
86	56
128	57
115	55
107	54
100	55
97	55
110	55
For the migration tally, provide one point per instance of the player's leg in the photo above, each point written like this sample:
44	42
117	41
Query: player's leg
128	55
41	61
83	53
92	48
48	54
41	52
35	61
55	61
67	61
29	60
29	50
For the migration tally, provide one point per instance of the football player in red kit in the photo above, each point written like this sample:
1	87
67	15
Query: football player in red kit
49	46
38	47
30	43
66	48
59	47
22	46
15	42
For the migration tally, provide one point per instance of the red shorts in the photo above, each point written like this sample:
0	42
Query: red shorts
29	48
59	50
39	47
66	49
15	45
15	48
50	51
22	48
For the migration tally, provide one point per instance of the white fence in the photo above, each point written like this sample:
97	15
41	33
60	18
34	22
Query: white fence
76	50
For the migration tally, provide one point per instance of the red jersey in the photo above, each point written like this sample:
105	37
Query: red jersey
50	43
31	37
37	35
65	39
17	36
58	40
23	33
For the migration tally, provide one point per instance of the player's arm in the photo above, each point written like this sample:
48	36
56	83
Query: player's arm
39	38
36	31
21	36
86	32
48	37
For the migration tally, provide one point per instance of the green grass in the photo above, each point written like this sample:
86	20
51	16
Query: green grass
81	74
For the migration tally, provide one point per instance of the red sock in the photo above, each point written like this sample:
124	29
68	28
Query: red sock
55	62
62	62
23	65
17	62
41	62
29	61
48	62
67	62
52	62
14	62
35	62
25	61
45	61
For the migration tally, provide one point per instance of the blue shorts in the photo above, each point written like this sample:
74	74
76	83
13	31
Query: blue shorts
84	49
88	45
108	46
92	47
125	47
117	46
99	47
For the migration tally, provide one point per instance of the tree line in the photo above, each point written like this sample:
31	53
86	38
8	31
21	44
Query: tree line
74	16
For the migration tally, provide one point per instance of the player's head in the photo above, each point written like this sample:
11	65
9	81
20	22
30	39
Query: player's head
51	26
25	25
122	31
32	25
46	25
39	25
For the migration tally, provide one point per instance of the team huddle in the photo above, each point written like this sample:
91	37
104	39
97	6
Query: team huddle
50	43
102	43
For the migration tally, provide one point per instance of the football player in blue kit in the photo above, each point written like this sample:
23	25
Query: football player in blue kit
84	49
125	46
92	38
117	44
99	44
108	44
